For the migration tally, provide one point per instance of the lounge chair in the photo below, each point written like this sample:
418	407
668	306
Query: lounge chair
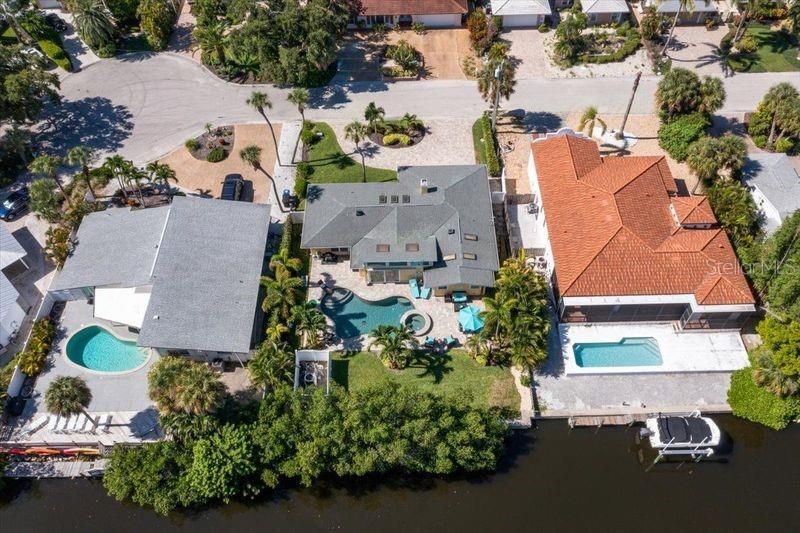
430	342
459	297
450	341
425	293
414	286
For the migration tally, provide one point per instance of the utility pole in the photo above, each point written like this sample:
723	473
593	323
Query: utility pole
498	74
620	135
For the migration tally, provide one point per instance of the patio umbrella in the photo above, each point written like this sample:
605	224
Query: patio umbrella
469	318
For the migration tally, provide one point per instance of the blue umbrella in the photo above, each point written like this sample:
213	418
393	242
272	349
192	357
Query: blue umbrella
469	318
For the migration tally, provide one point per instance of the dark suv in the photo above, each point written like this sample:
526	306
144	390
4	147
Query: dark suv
14	204
55	22
232	187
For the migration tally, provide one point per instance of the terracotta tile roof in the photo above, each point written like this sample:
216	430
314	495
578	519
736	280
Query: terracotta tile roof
617	228
413	7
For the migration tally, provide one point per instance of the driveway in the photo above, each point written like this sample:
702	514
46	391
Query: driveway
695	47
80	54
359	58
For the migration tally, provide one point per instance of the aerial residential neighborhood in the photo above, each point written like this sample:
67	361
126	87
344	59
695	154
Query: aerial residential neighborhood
307	263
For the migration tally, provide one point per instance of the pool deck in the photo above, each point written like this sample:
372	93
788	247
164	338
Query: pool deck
681	351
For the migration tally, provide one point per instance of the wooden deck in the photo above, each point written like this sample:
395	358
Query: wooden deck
605	420
56	469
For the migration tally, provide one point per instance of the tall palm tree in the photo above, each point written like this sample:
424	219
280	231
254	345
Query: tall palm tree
356	132
260	102
498	316
18	140
309	322
299	97
284	260
590	119
282	294
752	5
272	365
47	166
251	154
161	174
67	396
199	391
396	344
683	6
134	177
212	39
120	168
374	116
83	156
94	22
163	382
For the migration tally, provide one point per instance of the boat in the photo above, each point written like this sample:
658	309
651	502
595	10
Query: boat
692	435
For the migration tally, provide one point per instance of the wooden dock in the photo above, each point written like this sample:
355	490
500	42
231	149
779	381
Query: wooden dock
55	469
605	420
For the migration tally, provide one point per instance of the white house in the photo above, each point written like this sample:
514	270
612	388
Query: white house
12	307
521	13
431	13
774	185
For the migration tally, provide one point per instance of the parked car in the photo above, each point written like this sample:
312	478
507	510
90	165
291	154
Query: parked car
14	204
232	187
56	22
289	200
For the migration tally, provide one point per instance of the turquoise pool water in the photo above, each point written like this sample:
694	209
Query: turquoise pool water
353	316
636	351
97	349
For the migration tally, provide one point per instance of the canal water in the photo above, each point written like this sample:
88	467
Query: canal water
553	480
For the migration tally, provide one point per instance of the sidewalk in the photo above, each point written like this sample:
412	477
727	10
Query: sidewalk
284	175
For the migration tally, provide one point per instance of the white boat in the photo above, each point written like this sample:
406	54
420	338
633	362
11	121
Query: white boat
693	434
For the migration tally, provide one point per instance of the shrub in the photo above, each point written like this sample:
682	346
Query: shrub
192	144
490	147
107	50
543	28
380	29
307	134
33	358
747	45
736	211
406	57
783	145
419	28
753	403
302	172
216	155
57	244
760	141
155	19
396	138
676	136
726	44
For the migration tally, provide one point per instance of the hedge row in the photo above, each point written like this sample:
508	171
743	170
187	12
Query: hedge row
33	358
490	147
751	402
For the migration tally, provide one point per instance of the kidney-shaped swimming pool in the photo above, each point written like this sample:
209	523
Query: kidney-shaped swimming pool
95	348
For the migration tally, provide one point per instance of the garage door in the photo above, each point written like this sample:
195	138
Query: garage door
519	21
439	21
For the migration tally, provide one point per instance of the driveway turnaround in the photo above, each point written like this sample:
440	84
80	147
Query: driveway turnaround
168	98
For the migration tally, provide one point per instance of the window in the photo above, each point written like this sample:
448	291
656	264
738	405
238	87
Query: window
398	263
382	248
470	255
395	198
470	237
406	199
412	247
382	199
449	257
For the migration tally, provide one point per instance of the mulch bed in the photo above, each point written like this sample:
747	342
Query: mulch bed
221	136
416	138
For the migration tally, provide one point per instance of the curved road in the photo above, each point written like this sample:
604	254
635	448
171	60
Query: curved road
146	105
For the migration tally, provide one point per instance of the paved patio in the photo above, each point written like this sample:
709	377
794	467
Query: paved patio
444	318
448	142
696	48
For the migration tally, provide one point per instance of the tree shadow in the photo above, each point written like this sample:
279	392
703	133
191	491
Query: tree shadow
536	121
433	363
94	122
328	97
134	57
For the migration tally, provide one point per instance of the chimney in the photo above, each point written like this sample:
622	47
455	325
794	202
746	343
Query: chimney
423	186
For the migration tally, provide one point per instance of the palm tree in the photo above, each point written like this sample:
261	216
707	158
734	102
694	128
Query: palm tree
411	122
83	156
309	322
199	390
47	166
590	119
134	177
260	101
272	365
251	154
67	396
477	348
683	5
276	331
299	97
283	260
94	22
752	5
355	131
498	315
211	38
374	116
772	377
281	294
161	174
18	139
396	342
120	168
162	382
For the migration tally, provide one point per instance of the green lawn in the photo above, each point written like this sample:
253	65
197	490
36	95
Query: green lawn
134	43
477	143
329	163
8	37
777	52
443	374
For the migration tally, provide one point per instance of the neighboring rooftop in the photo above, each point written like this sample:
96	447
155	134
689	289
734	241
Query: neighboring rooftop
448	222
11	250
776	179
617	227
520	7
672	6
413	7
605	6
202	257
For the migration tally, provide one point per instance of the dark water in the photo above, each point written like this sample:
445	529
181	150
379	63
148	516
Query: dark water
556	480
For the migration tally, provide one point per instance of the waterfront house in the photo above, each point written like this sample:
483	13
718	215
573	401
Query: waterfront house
626	244
185	277
703	10
775	186
431	13
435	223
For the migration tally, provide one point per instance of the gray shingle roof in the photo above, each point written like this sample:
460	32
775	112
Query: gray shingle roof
521	7
204	267
777	180
606	6
10	249
671	6
360	216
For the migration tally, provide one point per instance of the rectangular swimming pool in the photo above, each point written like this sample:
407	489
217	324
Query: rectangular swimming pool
634	351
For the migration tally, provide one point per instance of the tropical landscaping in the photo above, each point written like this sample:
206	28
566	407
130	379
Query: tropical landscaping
764	49
328	163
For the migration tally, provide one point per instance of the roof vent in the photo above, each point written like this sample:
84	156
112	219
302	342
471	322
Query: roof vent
423	186
451	231
359	213
155	317
382	199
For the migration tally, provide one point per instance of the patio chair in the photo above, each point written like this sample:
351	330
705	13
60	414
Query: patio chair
430	342
414	286
450	341
425	293
460	297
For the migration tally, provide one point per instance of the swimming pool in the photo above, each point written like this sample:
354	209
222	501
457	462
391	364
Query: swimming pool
95	348
634	351
354	316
